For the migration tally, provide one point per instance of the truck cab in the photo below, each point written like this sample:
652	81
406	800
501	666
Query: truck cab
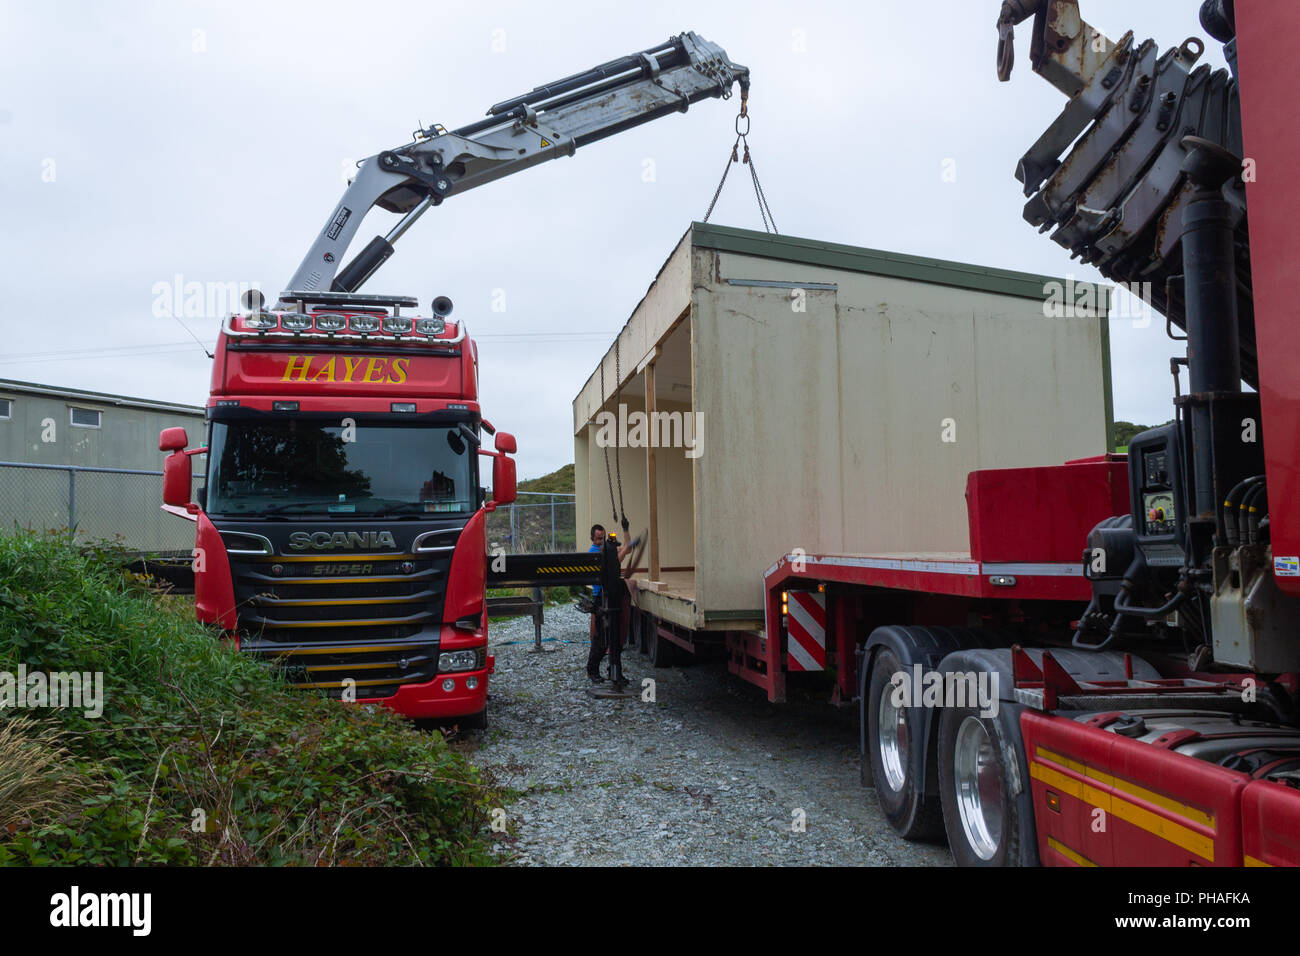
340	533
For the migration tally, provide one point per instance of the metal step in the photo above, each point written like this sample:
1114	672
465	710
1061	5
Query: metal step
1052	688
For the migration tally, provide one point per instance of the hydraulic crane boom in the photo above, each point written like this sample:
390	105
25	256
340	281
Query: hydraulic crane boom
1146	174
550	121
1107	177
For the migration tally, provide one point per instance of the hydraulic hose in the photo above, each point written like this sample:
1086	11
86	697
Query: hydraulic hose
1230	507
1254	505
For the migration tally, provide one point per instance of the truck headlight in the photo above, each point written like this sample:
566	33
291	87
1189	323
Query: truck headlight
457	661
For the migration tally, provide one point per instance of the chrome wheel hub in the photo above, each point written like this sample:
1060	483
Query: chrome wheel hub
977	776
893	744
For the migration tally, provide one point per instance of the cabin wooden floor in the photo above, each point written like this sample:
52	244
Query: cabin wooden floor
678	585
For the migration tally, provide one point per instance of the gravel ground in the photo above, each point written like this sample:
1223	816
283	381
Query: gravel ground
707	774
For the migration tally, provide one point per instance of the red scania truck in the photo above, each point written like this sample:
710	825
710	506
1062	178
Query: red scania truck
340	532
341	529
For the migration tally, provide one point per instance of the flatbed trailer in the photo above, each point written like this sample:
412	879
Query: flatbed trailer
1016	563
1142	712
1102	758
1108	672
764	380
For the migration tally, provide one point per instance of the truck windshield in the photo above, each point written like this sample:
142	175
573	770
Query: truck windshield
296	466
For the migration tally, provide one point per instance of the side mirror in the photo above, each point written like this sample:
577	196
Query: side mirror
503	479
173	439
505	442
177	476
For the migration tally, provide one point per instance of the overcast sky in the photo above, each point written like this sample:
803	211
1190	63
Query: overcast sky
141	142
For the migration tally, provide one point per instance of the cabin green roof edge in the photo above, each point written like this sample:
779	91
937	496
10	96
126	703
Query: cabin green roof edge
98	398
962	275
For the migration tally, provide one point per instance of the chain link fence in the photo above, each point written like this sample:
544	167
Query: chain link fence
115	505
536	522
121	506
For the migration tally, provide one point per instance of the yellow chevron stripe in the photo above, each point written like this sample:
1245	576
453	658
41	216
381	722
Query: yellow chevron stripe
346	649
330	579
1253	861
1140	817
325	684
1173	806
1076	858
359	557
337	602
370	622
369	666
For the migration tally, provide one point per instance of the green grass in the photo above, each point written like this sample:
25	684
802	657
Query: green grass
201	756
552	596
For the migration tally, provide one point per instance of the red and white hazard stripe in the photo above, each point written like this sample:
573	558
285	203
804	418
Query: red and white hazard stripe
806	626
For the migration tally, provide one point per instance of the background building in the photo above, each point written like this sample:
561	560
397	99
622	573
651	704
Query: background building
87	460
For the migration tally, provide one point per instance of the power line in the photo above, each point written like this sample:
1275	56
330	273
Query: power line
158	348
73	355
98	350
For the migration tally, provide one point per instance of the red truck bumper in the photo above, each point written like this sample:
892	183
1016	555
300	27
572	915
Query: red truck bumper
467	695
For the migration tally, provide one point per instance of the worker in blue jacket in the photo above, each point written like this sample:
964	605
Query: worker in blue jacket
598	645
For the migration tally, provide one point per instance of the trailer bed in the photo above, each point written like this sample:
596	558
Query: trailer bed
955	573
671	597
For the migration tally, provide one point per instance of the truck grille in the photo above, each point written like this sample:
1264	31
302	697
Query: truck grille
373	620
376	670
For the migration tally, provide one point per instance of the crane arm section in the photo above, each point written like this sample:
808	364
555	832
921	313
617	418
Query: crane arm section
549	122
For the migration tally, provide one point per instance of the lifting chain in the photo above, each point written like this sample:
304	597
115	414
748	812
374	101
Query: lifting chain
742	136
615	503
618	465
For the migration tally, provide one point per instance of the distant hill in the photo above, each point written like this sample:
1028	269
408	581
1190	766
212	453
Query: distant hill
1124	432
557	482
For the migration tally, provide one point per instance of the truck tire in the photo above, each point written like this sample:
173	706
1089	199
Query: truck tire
979	761
891	752
997	741
477	721
658	650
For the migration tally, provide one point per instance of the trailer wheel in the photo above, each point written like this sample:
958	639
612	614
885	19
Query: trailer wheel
658	650
891	744
977	757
